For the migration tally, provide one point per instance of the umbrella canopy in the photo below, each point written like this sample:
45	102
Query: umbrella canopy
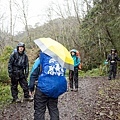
57	51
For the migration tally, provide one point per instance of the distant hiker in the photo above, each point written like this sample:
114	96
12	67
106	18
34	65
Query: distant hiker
51	84
112	59
73	75
18	69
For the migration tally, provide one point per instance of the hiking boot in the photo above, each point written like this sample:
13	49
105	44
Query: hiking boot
76	89
30	99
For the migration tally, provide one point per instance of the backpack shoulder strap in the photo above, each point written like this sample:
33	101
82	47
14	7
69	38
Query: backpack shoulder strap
15	56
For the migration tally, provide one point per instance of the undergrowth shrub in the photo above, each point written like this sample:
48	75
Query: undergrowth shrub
5	95
4	64
101	71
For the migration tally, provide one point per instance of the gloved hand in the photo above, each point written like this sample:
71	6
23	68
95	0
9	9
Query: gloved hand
31	93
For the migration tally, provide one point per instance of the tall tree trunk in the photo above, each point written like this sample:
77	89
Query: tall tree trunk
76	11
11	22
110	38
26	22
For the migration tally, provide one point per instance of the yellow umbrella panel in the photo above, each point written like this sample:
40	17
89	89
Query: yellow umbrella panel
57	51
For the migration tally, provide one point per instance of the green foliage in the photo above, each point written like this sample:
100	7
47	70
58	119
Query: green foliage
4	75
81	73
94	35
5	96
67	73
6	54
3	64
99	32
93	72
101	71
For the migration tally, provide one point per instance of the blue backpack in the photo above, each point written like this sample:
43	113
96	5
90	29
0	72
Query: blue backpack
52	81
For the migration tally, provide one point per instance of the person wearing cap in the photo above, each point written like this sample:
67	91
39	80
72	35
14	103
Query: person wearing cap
112	59
73	75
18	69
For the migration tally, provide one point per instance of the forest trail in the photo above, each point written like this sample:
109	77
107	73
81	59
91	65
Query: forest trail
97	99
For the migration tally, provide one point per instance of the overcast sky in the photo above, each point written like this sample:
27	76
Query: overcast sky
37	12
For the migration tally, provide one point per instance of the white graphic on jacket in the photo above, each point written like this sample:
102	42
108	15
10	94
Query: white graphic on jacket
55	68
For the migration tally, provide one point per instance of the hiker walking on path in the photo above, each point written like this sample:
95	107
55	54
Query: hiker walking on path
112	58
18	69
51	84
73	75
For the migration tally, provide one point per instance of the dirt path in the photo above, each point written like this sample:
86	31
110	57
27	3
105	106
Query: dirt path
97	99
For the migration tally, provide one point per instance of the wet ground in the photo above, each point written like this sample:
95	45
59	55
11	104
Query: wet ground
96	99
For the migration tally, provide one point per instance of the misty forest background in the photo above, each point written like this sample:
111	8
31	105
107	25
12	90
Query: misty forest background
94	32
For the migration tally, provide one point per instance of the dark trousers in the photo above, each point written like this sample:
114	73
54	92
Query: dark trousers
73	78
14	87
40	103
112	70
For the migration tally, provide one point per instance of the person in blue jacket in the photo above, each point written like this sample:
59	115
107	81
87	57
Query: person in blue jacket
73	75
34	74
51	84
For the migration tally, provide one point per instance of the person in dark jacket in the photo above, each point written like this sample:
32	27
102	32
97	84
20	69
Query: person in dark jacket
112	59
51	84
18	69
73	75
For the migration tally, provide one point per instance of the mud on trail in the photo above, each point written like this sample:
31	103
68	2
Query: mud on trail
96	99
